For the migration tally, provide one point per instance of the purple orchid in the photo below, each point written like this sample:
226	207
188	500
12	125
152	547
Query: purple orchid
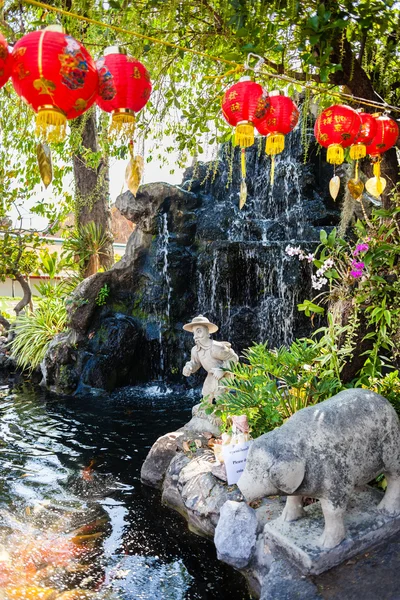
360	248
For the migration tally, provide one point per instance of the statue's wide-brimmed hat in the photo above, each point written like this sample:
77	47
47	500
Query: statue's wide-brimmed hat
200	320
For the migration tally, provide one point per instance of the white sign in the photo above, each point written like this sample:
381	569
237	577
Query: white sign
235	456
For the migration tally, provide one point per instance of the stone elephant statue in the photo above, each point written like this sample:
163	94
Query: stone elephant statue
324	452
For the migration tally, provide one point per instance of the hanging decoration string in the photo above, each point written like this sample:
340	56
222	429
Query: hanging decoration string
236	66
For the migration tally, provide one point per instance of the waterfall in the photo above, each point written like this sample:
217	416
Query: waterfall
162	257
193	251
245	279
163	252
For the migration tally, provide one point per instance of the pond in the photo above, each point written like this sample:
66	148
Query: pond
74	515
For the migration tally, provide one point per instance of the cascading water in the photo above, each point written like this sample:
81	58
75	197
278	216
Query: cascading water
162	261
246	282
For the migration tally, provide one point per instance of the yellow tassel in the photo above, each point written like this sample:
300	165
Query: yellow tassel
379	185
275	143
243	186
358	151
335	154
356	171
272	172
244	134
243	162
51	124
377	168
122	124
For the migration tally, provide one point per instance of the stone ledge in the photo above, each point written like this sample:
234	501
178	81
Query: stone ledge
298	540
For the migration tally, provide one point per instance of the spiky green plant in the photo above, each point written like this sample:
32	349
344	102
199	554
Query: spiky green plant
85	245
34	332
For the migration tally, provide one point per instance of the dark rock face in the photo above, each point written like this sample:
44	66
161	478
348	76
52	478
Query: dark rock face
193	251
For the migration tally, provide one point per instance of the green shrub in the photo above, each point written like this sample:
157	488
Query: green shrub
389	387
103	294
35	330
274	384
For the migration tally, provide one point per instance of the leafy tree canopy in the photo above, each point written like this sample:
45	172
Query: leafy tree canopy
327	44
320	44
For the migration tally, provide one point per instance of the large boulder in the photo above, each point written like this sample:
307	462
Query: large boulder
236	534
158	459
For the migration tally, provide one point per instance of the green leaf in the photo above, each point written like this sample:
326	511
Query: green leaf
313	22
332	238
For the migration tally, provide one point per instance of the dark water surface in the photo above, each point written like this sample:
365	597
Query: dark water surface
67	462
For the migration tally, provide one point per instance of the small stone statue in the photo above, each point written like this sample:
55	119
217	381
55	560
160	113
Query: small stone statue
211	355
325	452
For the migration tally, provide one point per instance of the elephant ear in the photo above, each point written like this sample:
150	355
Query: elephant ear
287	473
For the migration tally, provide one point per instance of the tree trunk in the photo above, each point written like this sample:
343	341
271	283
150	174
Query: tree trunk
27	297
92	187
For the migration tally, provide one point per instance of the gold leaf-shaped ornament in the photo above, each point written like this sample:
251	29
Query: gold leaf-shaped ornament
334	186
356	188
44	161
375	186
133	173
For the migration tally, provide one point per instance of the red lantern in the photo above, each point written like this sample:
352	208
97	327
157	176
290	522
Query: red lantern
281	119
242	105
387	132
124	88
5	61
336	128
56	76
365	136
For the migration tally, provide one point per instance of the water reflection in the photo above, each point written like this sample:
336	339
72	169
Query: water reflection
75	521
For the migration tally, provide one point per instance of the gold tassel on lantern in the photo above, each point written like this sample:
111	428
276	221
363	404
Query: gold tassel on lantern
358	151
244	137
335	154
244	134
122	124
275	144
376	167
51	123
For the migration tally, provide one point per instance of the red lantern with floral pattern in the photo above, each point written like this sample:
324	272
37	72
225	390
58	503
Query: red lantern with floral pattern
336	128
56	76
124	88
5	61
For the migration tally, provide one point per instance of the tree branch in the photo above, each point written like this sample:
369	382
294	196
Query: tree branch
4	322
27	297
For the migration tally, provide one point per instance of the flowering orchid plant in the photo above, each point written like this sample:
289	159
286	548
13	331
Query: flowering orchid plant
338	263
360	282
